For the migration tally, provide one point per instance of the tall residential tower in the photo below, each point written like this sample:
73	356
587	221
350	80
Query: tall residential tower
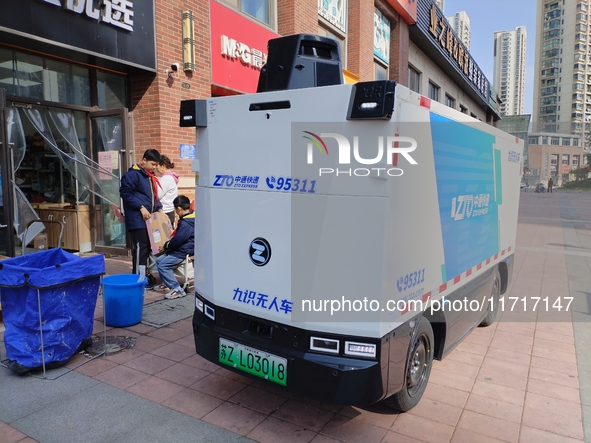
562	88
460	23
509	70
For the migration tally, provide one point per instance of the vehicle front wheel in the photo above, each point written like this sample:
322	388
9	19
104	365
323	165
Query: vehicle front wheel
418	369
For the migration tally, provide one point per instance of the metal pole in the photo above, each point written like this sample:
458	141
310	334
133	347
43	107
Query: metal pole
7	173
41	331
102	289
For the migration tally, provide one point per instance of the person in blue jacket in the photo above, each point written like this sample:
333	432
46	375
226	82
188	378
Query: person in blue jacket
139	192
181	243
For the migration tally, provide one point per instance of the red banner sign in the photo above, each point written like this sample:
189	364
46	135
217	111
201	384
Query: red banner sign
238	49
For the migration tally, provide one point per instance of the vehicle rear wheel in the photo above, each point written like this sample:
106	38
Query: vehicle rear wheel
493	301
418	369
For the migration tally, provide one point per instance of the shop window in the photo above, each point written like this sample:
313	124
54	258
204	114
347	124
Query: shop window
112	90
414	79
380	72
29	76
433	92
7	71
262	10
66	83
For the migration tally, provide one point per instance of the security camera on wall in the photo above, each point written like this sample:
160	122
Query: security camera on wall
173	70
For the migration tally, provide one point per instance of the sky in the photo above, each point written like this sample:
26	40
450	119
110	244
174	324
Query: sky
487	17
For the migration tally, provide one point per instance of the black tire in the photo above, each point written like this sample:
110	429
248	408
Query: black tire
493	304
418	369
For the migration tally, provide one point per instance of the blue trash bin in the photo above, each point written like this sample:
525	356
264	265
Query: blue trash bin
124	299
48	301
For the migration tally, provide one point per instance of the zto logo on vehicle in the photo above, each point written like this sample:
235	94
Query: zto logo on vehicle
260	251
239	181
467	206
394	145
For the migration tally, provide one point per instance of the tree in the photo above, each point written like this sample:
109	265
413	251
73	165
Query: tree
584	170
581	173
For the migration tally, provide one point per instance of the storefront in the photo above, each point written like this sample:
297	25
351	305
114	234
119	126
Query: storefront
85	90
65	71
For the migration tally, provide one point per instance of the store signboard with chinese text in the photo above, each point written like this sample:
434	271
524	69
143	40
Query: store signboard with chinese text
435	26
117	13
121	31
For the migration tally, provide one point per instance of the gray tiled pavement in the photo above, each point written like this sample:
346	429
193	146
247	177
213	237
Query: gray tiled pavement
513	382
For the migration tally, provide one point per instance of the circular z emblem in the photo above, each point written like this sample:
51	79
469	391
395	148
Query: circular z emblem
260	251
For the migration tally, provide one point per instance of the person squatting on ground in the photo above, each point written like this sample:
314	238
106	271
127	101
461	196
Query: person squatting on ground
139	192
168	182
176	249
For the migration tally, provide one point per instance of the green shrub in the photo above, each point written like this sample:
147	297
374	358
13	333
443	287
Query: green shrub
578	184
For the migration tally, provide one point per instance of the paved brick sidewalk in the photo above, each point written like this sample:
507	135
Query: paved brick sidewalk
512	382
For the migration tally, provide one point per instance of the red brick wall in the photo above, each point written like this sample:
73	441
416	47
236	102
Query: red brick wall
399	42
360	39
297	17
156	97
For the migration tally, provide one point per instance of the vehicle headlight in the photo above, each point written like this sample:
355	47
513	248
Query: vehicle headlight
360	349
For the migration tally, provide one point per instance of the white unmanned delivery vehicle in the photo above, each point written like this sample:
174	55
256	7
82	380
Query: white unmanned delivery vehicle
346	235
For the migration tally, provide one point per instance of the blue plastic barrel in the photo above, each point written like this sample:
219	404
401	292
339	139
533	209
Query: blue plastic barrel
124	299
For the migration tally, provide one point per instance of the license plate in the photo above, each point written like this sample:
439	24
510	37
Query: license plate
253	361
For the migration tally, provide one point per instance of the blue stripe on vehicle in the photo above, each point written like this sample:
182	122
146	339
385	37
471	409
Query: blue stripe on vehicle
465	171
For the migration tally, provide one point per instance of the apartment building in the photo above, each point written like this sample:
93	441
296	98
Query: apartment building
562	85
460	23
509	69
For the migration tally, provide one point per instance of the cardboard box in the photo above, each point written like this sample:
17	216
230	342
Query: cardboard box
40	242
159	230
